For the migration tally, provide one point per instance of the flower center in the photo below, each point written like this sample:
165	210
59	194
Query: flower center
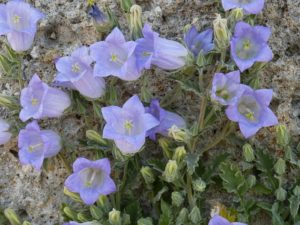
32	148
223	93
16	19
249	109
76	68
246	45
128	125
146	54
91	177
34	101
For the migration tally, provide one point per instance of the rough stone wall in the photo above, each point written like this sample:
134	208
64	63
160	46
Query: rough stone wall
37	195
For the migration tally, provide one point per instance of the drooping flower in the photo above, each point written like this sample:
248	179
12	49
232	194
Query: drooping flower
226	88
91	179
40	101
199	42
219	220
251	111
166	120
154	50
4	134
128	125
249	45
250	6
18	20
115	57
75	71
35	145
100	19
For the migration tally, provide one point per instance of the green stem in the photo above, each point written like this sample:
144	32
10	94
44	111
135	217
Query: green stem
189	190
122	186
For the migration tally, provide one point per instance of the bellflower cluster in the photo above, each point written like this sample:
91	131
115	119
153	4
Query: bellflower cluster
199	42
38	100
75	71
226	87
4	134
249	6
128	125
219	220
251	111
91	179
35	145
18	20
115	57
249	45
154	50
166	120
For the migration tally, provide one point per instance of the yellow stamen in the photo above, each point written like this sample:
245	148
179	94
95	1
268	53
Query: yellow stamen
247	45
34	101
16	19
32	148
75	68
128	125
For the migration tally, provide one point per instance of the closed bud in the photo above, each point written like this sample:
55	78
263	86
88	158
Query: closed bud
178	134
221	32
296	190
126	5
164	143
251	180
237	14
248	153
114	217
82	217
177	198
96	212
12	217
8	102
282	135
95	136
182	217
101	20
201	60
75	197
135	22
145	221
280	166
199	185
179	154
103	203
171	171
70	213
147	174
126	219
280	194
195	215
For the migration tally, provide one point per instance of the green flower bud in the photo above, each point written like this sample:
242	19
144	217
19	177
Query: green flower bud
12	216
296	190
9	102
164	143
95	136
195	215
178	134
126	219
221	32
145	221
182	217
72	195
82	217
104	203
126	5
171	171
135	22
96	212
251	180
70	213
282	135
177	198
201	60
147	174
237	14
248	153
280	194
199	185
179	154
114	217
280	166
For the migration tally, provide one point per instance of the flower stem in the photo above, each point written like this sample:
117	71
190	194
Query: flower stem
189	190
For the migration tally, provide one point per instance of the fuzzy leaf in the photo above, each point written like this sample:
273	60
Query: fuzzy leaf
166	216
191	86
233	179
191	162
294	205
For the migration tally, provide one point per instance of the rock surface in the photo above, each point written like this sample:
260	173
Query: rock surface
37	196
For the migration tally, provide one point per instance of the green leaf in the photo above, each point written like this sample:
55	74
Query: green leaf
160	193
134	210
191	86
212	169
294	205
276	218
191	162
233	179
166	216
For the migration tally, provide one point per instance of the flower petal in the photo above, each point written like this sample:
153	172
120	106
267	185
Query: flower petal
218	220
264	96
73	183
108	186
89	195
269	118
52	142
131	145
248	130
134	103
20	41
